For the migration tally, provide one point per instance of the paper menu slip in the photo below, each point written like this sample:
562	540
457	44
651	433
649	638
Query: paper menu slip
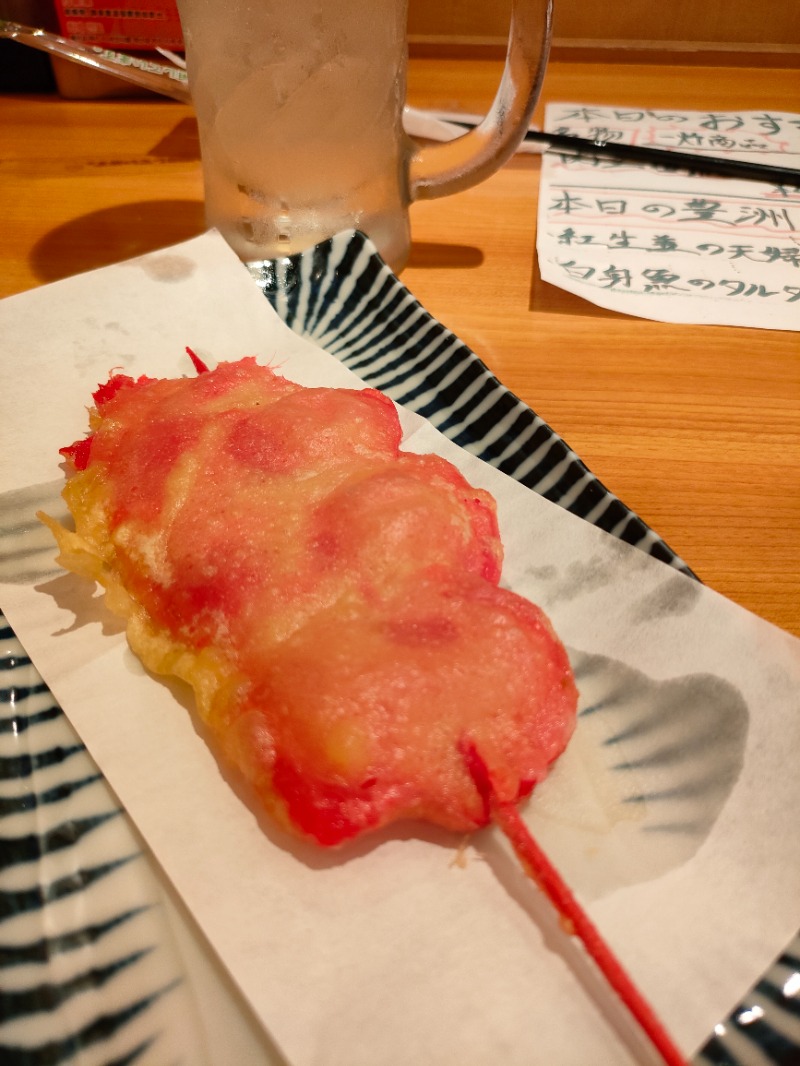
661	244
392	953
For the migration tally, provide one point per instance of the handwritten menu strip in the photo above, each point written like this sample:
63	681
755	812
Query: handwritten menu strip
659	244
739	135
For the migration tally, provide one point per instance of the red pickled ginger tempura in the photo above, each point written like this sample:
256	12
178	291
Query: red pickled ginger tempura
332	600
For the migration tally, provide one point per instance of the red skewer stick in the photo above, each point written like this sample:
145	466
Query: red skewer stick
540	870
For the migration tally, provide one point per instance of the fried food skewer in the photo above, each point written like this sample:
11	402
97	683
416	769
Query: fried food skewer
333	600
335	604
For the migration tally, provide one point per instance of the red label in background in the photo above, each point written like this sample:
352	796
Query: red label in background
136	24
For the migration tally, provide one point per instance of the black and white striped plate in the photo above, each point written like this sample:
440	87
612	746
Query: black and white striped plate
89	970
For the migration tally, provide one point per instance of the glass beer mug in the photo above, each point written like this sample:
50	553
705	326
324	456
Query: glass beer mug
299	105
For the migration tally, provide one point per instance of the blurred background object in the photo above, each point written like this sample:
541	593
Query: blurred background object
138	27
24	70
723	31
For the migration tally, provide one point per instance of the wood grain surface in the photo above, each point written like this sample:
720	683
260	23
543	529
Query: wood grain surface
697	428
727	25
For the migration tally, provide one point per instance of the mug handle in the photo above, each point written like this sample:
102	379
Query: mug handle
450	166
